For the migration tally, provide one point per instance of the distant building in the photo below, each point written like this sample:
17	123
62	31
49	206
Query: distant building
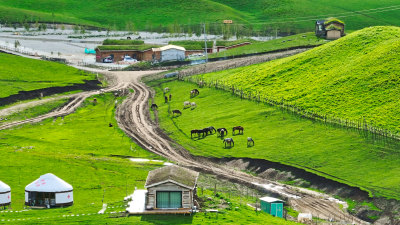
272	206
49	191
171	187
5	194
118	55
169	53
331	28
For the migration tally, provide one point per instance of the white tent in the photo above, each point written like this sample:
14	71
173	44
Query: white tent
5	194
49	190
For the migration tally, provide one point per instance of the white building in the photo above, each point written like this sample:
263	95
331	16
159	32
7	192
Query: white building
169	53
5	194
49	191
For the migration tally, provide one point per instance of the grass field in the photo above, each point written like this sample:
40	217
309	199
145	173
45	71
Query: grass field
22	74
299	40
287	15
340	154
355	78
85	152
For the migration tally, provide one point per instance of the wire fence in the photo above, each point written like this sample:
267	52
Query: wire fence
288	106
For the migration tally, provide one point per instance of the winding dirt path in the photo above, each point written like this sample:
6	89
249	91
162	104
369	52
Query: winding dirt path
134	119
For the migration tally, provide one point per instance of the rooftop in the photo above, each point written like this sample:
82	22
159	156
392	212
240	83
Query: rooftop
175	173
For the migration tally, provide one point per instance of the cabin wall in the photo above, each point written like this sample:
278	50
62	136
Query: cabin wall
333	34
172	55
187	195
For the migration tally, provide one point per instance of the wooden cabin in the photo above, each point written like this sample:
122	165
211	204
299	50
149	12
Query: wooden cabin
170	188
331	28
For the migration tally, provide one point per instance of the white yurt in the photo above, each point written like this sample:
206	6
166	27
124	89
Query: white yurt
49	191
5	194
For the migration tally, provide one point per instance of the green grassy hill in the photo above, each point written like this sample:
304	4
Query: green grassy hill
352	78
23	74
287	15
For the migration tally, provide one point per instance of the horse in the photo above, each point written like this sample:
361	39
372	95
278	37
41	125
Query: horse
193	132
229	141
186	104
193	105
210	129
194	93
250	142
170	97
203	132
238	128
154	106
175	111
166	99
222	131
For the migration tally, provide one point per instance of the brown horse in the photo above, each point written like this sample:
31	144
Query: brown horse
229	141
238	128
175	111
154	106
203	132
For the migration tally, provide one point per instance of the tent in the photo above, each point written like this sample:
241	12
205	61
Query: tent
49	191
5	194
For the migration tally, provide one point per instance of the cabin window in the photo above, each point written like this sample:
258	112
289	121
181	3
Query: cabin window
169	199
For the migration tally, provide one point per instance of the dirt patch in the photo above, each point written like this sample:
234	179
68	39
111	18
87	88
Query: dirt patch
26	95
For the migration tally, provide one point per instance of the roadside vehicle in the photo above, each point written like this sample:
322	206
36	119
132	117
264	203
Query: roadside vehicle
108	59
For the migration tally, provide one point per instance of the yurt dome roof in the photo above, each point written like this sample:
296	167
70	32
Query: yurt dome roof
49	183
4	187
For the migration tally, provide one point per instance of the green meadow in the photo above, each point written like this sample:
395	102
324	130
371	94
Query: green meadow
286	15
354	78
22	74
344	155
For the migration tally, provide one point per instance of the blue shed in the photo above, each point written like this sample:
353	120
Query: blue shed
272	206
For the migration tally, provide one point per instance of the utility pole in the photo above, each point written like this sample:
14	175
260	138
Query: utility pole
205	40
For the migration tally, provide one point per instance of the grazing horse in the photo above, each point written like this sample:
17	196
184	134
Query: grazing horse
222	131
193	132
193	105
166	99
210	129
154	106
229	141
186	104
250	142
203	132
238	128
194	93
175	111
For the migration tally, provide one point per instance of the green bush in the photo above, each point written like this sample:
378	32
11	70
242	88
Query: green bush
122	42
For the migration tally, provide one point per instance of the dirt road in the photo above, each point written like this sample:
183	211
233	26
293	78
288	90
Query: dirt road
134	119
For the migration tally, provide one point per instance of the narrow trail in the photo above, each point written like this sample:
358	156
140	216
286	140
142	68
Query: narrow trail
134	119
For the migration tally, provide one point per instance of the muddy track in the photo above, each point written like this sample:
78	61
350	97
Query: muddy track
134	119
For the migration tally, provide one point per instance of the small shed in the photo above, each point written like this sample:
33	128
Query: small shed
169	53
331	28
171	187
272	206
5	194
49	191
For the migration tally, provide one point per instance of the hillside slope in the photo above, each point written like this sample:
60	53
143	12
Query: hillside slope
287	15
354	77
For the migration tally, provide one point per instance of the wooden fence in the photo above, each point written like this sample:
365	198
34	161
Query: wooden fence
361	124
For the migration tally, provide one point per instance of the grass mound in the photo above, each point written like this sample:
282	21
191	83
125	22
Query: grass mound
22	74
355	78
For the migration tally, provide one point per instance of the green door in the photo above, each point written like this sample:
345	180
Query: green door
277	209
169	199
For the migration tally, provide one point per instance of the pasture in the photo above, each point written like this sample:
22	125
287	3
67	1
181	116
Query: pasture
262	15
339	154
23	74
354	78
84	151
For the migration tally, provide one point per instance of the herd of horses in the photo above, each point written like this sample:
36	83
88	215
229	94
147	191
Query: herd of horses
222	132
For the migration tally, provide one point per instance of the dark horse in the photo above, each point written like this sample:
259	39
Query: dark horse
222	131
229	141
194	93
154	106
175	111
166	99
198	132
238	128
210	130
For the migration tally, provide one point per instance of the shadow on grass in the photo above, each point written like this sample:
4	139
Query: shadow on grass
168	219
